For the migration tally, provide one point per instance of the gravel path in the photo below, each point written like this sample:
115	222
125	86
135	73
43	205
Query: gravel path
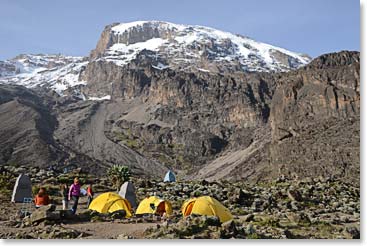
99	230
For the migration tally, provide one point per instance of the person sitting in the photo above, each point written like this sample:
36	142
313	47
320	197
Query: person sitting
41	199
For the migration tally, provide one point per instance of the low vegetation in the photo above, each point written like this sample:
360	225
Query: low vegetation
118	174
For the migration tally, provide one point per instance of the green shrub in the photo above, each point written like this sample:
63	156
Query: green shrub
118	174
35	189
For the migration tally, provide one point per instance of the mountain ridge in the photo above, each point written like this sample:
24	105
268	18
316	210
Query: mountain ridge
179	47
216	123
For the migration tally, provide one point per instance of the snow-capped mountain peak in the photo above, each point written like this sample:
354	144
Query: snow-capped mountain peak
187	46
166	45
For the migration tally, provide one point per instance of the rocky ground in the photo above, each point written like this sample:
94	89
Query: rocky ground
283	208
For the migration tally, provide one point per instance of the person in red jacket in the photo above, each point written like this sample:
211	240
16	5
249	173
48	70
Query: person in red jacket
90	194
41	198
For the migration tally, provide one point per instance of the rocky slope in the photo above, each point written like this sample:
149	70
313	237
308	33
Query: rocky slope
26	128
238	112
36	128
27	131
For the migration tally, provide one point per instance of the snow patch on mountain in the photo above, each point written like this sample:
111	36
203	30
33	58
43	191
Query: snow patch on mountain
122	54
123	27
160	66
54	71
107	97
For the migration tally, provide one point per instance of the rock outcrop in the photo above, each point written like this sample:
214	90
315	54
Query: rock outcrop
315	116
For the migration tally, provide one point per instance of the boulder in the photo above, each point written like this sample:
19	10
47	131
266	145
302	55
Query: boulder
298	218
123	236
211	220
230	227
63	233
354	232
248	218
42	215
257	205
67	214
250	229
119	214
294	195
50	208
238	196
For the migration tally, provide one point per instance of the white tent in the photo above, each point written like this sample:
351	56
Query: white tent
22	188
127	191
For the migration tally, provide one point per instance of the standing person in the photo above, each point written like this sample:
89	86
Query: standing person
90	194
41	199
74	193
64	193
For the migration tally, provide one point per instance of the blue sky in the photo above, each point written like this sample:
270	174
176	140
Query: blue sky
73	27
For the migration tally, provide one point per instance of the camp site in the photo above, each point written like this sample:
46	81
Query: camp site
172	121
167	208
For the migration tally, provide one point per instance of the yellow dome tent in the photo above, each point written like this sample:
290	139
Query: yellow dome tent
206	205
154	205
110	202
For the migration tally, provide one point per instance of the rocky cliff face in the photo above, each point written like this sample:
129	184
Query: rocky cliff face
315	117
251	126
208	104
183	118
314	126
